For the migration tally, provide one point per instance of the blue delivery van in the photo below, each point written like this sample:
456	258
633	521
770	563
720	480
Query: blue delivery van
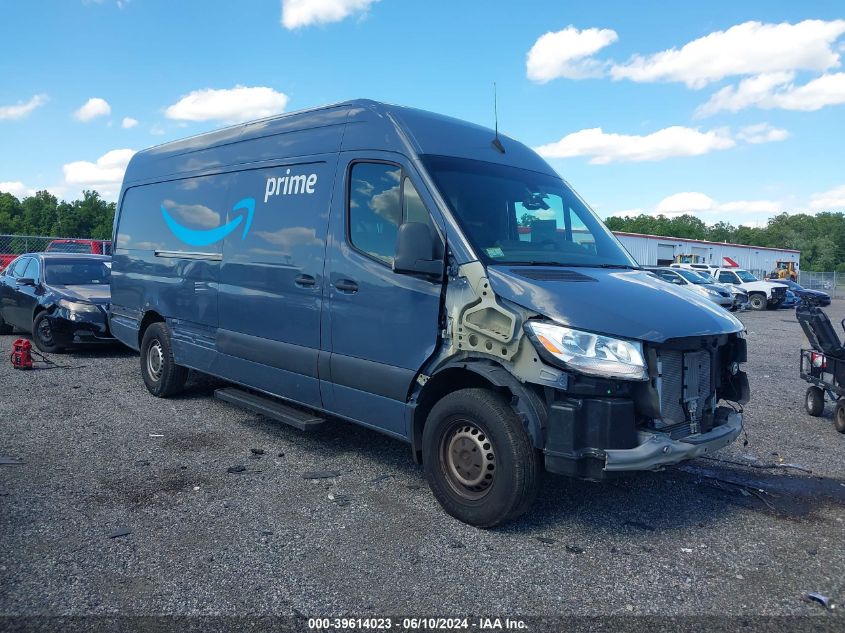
426	278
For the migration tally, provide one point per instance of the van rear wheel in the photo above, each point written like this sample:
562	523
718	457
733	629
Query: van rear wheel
162	376
479	460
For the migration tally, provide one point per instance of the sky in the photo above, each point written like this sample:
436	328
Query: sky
733	111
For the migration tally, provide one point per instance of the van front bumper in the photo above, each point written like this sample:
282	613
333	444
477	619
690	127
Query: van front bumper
657	449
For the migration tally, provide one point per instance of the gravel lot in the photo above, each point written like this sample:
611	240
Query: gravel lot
730	535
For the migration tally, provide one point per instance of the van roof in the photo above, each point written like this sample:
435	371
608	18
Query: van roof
357	125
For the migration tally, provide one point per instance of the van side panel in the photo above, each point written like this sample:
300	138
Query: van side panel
164	263
271	281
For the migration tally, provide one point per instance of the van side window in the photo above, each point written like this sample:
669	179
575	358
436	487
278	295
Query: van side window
375	211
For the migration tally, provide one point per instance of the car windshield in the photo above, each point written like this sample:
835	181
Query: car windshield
64	272
744	275
517	216
693	278
707	277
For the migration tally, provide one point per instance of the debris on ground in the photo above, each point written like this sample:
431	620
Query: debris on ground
11	461
156	435
256	451
574	549
281	454
546	540
814	596
120	532
341	500
321	474
381	478
237	468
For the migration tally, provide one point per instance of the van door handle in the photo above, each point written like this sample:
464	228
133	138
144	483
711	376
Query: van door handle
346	285
305	281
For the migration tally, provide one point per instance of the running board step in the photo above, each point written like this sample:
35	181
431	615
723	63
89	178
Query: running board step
270	408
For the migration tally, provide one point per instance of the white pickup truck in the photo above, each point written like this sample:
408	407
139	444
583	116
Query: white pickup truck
761	294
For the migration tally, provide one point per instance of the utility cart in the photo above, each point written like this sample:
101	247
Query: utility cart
823	366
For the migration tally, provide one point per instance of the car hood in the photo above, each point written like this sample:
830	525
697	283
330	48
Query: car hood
810	292
625	303
94	293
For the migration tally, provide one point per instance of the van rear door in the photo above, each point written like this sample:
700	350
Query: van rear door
382	326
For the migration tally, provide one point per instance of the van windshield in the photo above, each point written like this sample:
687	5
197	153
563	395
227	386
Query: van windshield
517	216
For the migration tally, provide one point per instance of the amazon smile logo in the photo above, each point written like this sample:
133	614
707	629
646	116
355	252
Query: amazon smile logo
210	236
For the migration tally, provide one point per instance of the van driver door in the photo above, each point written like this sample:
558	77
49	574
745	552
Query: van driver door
381	326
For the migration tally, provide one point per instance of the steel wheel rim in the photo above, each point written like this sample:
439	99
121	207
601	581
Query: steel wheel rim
468	459
155	360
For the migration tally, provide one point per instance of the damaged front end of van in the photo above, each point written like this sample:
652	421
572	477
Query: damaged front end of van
666	386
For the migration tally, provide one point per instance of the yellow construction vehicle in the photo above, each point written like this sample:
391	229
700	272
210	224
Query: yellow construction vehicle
785	270
688	258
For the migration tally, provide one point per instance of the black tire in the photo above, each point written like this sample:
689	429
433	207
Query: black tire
839	416
43	335
162	376
5	328
814	401
478	458
757	302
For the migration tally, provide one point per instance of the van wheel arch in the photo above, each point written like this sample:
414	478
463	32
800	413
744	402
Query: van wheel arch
150	317
482	374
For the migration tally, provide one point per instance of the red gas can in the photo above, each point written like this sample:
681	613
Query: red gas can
22	354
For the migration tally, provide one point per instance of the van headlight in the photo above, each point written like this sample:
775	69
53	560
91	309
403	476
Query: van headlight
590	353
78	306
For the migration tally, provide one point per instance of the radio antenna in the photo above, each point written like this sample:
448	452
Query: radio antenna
496	142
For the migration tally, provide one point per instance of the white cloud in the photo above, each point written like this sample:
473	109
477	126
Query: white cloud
91	109
751	48
128	122
777	90
605	147
831	200
17	189
233	105
567	54
695	202
299	13
105	175
761	133
22	108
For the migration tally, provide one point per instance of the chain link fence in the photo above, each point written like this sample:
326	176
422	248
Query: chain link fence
13	245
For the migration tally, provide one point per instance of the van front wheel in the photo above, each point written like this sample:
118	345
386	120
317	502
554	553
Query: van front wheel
479	460
162	376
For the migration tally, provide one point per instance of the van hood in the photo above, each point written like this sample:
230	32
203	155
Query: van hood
623	303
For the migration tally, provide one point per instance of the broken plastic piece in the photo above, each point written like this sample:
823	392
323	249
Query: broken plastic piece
120	532
817	597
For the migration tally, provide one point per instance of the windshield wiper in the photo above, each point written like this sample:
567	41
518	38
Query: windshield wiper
571	265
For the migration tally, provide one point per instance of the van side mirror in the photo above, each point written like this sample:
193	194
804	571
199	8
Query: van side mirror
415	251
25	281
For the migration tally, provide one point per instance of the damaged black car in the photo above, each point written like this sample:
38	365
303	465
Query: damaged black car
61	298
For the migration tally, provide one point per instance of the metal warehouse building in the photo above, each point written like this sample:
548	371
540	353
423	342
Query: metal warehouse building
653	250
